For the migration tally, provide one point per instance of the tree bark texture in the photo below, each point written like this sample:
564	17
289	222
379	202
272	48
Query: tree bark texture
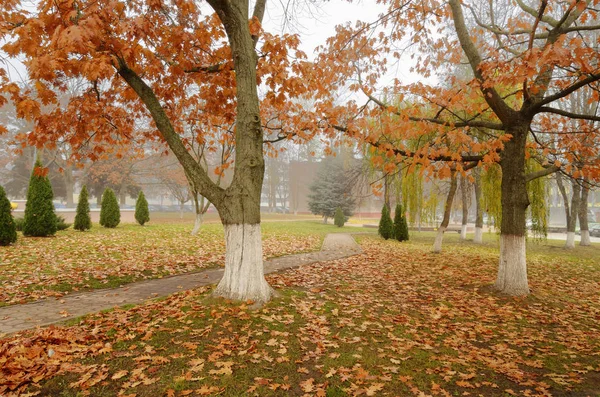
239	209
512	268
68	177
437	245
574	214
464	190
244	275
479	210
583	216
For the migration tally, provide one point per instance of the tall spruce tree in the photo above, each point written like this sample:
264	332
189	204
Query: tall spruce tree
83	221
40	219
142	214
332	188
8	229
110	214
400	225
386	226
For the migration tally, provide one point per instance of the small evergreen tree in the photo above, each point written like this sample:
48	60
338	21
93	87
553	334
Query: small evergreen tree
110	214
142	215
386	227
332	188
339	219
83	221
8	229
400	225
40	219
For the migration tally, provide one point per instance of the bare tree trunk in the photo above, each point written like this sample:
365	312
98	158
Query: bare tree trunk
512	267
563	193
198	209
437	245
572	224
465	207
583	215
386	190
479	210
122	195
68	177
240	207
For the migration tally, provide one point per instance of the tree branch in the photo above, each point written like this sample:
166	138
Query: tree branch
547	109
472	123
211	191
538	174
493	99
466	158
563	93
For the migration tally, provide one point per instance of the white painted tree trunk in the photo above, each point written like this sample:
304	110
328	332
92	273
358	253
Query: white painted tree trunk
463	232
585	238
570	240
437	245
512	269
244	274
197	224
478	235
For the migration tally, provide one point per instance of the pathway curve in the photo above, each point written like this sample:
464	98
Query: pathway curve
25	316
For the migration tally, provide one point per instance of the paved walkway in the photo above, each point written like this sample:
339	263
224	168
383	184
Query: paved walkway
20	317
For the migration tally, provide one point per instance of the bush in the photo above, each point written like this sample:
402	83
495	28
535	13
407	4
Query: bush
40	219
142	215
110	214
386	227
19	222
61	224
83	221
400	225
8	229
339	219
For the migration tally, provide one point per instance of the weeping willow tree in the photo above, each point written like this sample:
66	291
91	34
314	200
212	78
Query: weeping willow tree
538	190
430	205
412	195
490	187
420	197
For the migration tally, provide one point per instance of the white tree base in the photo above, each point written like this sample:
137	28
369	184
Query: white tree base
197	224
570	240
512	269
585	238
244	277
439	238
478	235
463	232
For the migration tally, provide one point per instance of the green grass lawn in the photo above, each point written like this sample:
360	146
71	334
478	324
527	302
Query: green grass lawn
35	268
396	320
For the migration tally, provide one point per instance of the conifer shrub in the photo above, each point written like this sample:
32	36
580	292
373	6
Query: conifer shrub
142	214
400	225
40	219
339	218
8	228
110	214
61	223
83	221
386	226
